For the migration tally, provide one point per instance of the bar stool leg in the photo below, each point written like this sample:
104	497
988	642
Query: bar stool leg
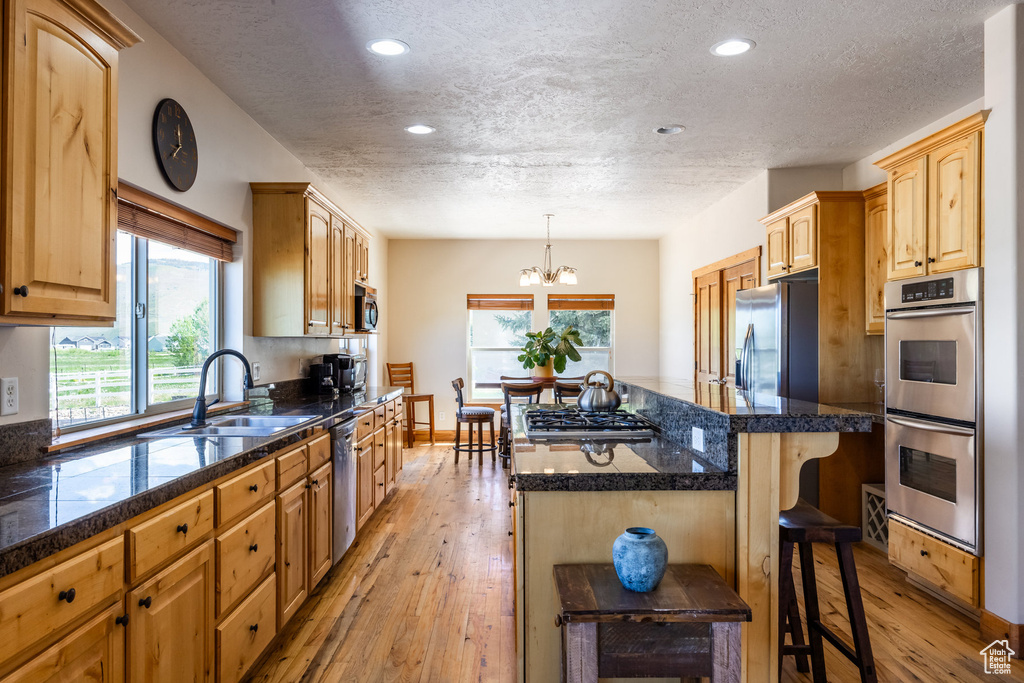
789	610
410	421
579	648
494	449
430	407
469	455
855	607
726	662
813	616
458	433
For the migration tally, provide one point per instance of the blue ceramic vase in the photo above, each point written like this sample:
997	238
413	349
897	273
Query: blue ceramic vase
640	558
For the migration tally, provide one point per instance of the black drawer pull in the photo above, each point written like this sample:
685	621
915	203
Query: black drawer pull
254	488
254	628
380	484
917	264
183	528
122	620
924	553
931	259
67	596
21	291
510	533
254	547
511	503
146	602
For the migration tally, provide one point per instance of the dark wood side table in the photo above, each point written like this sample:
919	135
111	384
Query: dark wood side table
689	626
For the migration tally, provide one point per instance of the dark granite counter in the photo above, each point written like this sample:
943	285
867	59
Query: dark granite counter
875	410
50	504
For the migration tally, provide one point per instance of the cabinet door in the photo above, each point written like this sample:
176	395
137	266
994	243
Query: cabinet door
735	278
364	480
318	231
708	326
364	258
292	551
379	486
339	284
954	205
170	634
876	215
803	239
94	652
320	529
61	168
349	273
907	219
390	460
778	247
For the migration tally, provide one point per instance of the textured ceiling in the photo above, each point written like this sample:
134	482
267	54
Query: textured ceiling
548	105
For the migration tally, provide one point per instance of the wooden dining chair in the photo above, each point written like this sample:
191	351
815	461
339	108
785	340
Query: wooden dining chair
511	390
401	375
564	390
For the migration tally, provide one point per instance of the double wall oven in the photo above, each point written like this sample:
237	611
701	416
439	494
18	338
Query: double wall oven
933	404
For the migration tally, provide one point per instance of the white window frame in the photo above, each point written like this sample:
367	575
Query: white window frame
610	350
470	349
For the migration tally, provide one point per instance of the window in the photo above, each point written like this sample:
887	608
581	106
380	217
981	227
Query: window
168	288
497	329
592	315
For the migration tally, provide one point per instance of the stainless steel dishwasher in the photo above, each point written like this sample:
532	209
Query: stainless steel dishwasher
344	487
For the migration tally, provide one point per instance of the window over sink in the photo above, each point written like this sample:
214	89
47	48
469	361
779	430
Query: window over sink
496	331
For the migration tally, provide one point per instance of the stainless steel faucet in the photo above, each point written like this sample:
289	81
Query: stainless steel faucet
199	411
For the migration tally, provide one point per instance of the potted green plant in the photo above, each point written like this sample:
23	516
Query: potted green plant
547	352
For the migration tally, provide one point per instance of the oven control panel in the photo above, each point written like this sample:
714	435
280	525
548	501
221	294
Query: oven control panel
929	290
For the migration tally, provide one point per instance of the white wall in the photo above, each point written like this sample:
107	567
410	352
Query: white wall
233	150
429	280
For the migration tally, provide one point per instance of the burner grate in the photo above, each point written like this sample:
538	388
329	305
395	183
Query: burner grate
557	421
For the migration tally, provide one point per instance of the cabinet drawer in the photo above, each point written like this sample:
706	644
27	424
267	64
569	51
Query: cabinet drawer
379	477
33	609
291	467
242	637
399	406
950	569
380	416
244	554
390	410
319	451
154	542
379	448
364	425
245	491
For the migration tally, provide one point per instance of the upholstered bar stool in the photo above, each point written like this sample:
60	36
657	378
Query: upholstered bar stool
472	415
806	525
401	375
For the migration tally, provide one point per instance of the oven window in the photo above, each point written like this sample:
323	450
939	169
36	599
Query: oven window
928	473
928	361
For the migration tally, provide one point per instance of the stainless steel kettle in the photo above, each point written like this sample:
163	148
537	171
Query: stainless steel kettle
595	396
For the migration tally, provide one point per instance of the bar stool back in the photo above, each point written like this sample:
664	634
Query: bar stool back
565	389
531	392
401	375
472	415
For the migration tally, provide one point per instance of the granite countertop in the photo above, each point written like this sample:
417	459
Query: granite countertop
52	503
652	464
875	410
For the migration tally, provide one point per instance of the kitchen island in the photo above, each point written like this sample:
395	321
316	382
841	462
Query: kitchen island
714	498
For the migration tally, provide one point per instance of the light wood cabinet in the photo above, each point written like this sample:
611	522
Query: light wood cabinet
715	288
158	539
935	206
305	249
778	247
942	566
321	526
792	240
876	220
391	458
245	554
59	168
170	632
364	480
241	494
245	634
292	550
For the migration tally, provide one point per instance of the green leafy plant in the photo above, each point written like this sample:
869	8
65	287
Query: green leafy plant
544	346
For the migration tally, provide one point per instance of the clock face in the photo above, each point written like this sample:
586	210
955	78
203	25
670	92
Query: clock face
174	142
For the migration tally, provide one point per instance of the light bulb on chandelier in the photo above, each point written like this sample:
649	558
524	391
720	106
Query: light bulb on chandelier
545	276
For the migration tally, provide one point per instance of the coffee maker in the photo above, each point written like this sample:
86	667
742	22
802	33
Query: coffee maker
349	371
321	379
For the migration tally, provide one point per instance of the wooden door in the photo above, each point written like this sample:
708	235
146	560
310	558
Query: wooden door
364	480
907	219
803	239
61	167
320	524
339	284
292	551
876	218
778	247
735	278
318	235
351	256
708	326
954	205
170	632
93	652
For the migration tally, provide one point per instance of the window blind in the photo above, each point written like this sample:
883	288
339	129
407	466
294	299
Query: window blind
500	302
581	302
144	215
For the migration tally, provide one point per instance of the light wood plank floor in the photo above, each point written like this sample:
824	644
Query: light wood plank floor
425	595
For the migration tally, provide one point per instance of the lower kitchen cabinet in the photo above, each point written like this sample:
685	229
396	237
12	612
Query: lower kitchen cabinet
940	566
364	479
292	550
245	553
246	632
170	631
392	457
94	652
321	529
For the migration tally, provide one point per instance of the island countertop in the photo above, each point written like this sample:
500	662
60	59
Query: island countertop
52	503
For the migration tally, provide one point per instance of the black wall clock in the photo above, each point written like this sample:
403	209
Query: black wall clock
174	142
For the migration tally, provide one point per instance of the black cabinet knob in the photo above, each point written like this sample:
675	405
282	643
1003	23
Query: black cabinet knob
309	486
924	553
254	547
316	482
67	596
122	620
510	533
917	263
931	259
21	291
511	503
254	628
183	528
254	488
146	602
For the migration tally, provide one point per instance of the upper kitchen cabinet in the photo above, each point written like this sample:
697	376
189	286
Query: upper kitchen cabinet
59	167
935	207
305	249
792	240
876	221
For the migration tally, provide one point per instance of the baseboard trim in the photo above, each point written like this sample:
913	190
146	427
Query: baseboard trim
994	627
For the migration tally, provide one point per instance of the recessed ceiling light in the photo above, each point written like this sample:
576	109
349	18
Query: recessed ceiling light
671	129
732	47
389	47
419	129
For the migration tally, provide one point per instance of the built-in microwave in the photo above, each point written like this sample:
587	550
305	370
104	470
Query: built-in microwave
366	309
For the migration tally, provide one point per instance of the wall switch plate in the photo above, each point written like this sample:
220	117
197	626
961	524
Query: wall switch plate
255	371
698	439
9	396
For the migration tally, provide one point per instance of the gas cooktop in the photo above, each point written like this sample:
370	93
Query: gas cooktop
567	423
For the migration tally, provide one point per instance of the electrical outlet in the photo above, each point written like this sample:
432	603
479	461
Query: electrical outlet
9	396
442	415
698	439
255	371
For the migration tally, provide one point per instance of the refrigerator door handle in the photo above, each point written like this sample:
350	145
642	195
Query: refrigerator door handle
743	376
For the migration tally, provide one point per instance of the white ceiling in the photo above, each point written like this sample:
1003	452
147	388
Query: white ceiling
548	105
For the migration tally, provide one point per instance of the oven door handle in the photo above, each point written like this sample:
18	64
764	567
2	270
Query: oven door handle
930	313
930	426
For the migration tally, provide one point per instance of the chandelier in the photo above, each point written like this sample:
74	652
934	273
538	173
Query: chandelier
545	276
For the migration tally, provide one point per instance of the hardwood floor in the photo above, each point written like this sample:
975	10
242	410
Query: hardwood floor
425	595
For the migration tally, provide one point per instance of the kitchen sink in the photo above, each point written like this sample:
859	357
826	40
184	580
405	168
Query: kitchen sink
233	425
